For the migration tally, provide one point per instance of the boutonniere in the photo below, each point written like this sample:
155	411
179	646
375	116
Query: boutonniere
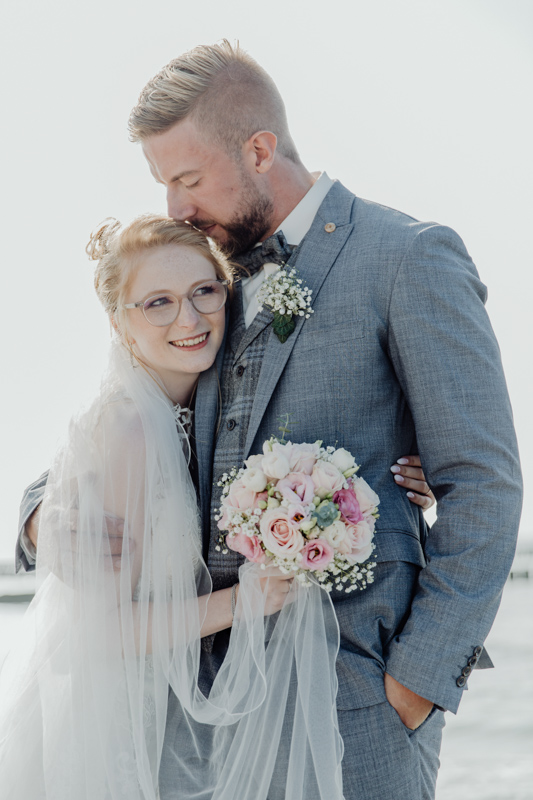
284	294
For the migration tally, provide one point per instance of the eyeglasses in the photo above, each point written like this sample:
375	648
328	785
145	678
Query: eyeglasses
163	309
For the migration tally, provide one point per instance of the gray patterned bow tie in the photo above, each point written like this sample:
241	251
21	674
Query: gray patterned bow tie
273	250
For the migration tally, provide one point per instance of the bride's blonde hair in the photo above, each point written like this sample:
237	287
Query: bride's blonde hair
116	248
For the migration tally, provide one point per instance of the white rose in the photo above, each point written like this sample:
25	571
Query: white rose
254	461
342	459
254	479
275	466
335	533
326	478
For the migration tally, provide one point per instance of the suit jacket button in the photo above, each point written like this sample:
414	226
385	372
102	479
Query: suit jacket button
240	370
329	227
230	425
472	661
461	681
466	671
478	650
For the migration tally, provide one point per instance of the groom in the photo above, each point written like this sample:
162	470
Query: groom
212	126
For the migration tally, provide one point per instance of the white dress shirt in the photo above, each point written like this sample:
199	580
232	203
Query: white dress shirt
294	227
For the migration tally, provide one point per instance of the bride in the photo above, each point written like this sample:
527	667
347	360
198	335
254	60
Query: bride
83	696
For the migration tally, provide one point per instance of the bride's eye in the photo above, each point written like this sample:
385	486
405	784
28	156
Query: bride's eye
158	302
205	289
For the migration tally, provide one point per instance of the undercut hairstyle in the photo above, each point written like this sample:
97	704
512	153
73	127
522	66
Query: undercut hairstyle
227	95
118	250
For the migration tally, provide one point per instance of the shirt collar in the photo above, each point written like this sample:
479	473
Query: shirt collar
298	222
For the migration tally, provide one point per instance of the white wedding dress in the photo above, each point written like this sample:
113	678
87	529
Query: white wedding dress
84	694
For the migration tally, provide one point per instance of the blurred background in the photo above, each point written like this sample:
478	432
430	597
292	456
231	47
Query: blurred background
421	105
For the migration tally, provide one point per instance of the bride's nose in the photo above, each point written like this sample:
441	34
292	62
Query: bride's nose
188	316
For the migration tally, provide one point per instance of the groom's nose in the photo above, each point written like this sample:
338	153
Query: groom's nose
179	206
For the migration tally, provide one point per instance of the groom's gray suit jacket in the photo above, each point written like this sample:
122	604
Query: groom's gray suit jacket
399	357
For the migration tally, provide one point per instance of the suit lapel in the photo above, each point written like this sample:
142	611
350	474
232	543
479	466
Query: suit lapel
318	253
205	421
262	319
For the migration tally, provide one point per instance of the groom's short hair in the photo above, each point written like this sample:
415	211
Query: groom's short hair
223	90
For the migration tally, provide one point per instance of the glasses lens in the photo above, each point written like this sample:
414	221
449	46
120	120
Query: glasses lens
209	297
161	309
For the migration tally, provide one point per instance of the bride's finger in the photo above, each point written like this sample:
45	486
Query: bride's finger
411	461
417	473
416	486
422	500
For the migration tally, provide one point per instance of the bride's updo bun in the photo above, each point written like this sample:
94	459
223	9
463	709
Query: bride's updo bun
97	246
117	248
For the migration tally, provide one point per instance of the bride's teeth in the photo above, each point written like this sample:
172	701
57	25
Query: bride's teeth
191	342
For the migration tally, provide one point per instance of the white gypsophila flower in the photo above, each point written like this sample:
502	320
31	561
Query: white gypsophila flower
284	294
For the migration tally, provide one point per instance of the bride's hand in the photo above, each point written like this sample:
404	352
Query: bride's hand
408	474
276	587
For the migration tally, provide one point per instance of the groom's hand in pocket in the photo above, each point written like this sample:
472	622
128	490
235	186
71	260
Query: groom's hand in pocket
410	707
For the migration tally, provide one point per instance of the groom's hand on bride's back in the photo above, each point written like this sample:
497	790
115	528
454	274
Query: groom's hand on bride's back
408	473
114	527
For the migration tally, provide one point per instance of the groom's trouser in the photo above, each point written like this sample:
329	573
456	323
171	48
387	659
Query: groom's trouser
399	764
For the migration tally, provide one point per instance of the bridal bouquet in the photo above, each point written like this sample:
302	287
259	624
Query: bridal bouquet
302	508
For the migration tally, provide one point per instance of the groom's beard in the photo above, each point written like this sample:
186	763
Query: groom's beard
249	226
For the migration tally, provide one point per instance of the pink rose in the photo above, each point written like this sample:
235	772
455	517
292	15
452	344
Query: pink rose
297	488
248	546
302	457
327	479
361	536
278	534
240	496
316	554
366	497
348	506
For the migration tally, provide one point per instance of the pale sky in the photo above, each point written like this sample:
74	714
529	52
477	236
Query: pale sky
424	106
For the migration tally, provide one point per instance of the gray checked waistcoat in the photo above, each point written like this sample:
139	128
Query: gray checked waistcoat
243	358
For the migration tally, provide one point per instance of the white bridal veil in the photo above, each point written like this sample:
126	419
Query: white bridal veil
83	695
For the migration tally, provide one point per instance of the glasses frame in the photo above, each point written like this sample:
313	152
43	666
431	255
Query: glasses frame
189	296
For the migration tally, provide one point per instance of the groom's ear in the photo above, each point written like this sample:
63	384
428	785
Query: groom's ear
260	149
